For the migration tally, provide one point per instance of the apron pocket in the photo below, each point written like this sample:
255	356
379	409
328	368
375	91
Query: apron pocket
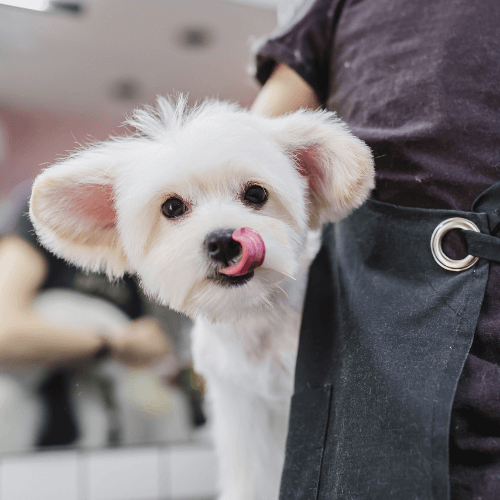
310	410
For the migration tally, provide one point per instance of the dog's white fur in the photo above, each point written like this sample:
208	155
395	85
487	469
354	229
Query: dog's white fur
101	209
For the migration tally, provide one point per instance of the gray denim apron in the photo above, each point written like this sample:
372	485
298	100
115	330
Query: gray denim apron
385	334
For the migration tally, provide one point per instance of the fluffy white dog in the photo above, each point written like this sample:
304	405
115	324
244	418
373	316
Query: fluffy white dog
215	209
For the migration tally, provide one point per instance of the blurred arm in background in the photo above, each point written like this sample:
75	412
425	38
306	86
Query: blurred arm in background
26	337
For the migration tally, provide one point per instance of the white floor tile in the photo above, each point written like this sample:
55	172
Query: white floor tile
124	474
43	476
188	472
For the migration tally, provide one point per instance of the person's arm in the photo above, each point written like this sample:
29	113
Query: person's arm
26	337
285	91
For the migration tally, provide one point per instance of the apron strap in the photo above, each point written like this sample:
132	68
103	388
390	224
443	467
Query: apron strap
489	202
486	246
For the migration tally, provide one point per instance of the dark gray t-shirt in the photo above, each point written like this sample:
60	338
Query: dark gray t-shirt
419	82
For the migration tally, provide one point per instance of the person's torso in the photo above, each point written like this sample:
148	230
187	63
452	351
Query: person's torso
418	81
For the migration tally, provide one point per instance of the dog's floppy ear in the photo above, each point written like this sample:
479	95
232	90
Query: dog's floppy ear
338	166
73	211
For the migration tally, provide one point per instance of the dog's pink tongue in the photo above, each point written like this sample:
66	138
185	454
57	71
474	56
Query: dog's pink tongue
252	255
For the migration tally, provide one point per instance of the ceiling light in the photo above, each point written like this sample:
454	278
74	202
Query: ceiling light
195	37
52	6
125	90
39	5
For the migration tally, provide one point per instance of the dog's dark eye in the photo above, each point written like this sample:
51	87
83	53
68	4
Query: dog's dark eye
256	195
173	208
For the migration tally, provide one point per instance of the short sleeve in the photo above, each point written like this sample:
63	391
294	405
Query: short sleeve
23	227
303	44
19	225
15	219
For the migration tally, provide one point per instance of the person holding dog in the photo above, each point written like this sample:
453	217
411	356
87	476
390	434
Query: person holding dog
397	379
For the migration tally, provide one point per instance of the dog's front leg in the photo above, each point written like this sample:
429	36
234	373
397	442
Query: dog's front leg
249	434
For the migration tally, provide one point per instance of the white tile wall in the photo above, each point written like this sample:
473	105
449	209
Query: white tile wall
181	472
43	476
192	472
123	474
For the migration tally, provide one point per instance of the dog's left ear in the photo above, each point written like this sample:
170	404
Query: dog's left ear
338	166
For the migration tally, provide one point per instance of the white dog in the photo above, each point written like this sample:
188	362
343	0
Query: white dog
214	209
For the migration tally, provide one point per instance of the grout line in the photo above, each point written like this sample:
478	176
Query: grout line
167	473
81	477
159	471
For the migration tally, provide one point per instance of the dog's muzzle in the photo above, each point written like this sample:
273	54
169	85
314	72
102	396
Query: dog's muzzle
245	246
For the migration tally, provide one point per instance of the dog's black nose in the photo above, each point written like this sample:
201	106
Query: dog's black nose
221	247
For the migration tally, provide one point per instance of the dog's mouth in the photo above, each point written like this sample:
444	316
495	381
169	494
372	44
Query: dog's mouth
231	281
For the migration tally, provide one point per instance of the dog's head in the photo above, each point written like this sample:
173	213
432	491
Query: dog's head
165	202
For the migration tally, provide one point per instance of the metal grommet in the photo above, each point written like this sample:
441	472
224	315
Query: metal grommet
437	251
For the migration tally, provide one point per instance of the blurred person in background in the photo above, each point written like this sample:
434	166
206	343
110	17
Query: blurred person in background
57	322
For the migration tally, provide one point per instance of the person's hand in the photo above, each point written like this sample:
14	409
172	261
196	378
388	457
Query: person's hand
140	343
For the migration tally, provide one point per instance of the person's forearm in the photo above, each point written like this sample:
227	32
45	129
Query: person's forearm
27	338
284	92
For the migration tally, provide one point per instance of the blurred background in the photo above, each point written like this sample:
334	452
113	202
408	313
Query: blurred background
70	72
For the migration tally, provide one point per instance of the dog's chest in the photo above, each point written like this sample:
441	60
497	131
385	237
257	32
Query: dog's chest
258	354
